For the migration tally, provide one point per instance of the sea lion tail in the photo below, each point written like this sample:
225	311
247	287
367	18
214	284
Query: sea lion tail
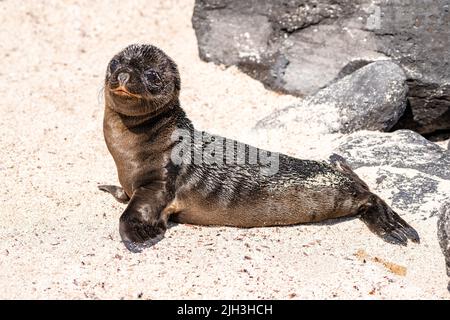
386	223
340	164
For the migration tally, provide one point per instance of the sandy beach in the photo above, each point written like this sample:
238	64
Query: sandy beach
59	234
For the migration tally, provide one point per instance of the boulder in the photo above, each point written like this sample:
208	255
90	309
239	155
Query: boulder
372	98
408	170
300	46
444	234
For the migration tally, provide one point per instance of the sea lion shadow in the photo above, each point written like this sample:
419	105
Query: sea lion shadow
139	247
171	224
330	222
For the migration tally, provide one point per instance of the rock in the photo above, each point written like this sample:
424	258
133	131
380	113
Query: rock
300	46
408	170
444	235
372	98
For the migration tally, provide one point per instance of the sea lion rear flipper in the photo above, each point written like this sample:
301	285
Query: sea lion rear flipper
386	223
117	192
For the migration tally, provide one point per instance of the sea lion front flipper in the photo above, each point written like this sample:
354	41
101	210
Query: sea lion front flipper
143	219
117	192
386	223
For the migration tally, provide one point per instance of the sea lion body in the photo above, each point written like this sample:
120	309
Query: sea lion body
230	194
245	198
141	126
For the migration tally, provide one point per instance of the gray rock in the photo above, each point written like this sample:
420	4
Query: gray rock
372	98
300	46
414	171
401	149
444	235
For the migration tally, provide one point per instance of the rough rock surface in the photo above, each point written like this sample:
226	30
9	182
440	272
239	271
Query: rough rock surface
372	98
413	173
299	46
444	234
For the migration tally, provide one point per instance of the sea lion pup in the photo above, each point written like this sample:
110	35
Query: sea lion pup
167	169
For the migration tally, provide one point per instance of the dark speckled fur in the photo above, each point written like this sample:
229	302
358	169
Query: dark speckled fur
141	114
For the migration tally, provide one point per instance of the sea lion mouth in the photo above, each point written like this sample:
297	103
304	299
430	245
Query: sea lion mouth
123	92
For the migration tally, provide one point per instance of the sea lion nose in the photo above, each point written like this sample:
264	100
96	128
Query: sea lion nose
123	77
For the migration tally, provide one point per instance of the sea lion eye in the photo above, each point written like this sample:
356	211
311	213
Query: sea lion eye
152	77
113	65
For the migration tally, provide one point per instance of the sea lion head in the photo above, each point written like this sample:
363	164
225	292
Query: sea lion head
141	80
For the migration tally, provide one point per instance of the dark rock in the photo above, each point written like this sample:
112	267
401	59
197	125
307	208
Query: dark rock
415	171
351	67
300	46
372	98
444	235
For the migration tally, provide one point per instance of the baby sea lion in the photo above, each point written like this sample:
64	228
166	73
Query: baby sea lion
168	169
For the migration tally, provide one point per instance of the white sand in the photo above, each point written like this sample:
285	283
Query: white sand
59	234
